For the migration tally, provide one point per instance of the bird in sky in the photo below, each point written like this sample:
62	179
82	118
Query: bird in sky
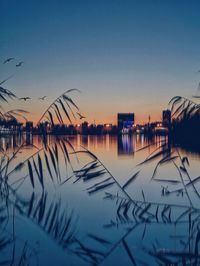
19	64
8	60
81	116
42	98
25	98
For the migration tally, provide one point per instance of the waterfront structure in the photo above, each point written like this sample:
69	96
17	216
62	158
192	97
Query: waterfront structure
84	128
29	126
107	128
10	126
125	121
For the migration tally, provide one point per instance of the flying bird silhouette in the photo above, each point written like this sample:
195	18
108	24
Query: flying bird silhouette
42	98
19	64
81	116
25	98
8	60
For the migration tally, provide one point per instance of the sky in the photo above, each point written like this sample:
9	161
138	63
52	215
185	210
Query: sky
124	55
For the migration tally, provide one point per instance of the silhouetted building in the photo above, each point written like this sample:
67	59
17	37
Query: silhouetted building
125	120
99	129
92	129
10	126
84	128
43	128
166	118
107	128
29	126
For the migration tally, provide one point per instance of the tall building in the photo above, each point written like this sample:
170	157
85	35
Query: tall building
29	126
84	128
125	120
166	118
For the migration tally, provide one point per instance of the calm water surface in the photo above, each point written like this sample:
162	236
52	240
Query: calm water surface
153	220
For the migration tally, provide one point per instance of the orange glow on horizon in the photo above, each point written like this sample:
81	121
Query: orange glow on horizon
103	121
95	114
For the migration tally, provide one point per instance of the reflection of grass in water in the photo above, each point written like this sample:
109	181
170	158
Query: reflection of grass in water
144	212
50	218
59	226
13	251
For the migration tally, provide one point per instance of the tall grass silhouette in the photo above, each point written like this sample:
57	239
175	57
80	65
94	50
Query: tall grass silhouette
186	117
42	168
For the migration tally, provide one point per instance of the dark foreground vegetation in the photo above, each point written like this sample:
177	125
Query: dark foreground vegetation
30	197
186	123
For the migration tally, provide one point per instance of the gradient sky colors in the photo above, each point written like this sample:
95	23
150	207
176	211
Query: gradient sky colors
125	56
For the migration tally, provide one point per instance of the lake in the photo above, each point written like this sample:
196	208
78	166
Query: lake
98	200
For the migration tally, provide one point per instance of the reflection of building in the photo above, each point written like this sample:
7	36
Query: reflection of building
166	118
125	120
84	140
125	145
29	139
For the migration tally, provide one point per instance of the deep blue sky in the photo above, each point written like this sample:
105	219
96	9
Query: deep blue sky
123	55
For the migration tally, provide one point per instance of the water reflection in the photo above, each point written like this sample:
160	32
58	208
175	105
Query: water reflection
123	145
29	139
94	219
126	145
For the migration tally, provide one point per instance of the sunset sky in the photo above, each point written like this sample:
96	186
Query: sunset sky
124	55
